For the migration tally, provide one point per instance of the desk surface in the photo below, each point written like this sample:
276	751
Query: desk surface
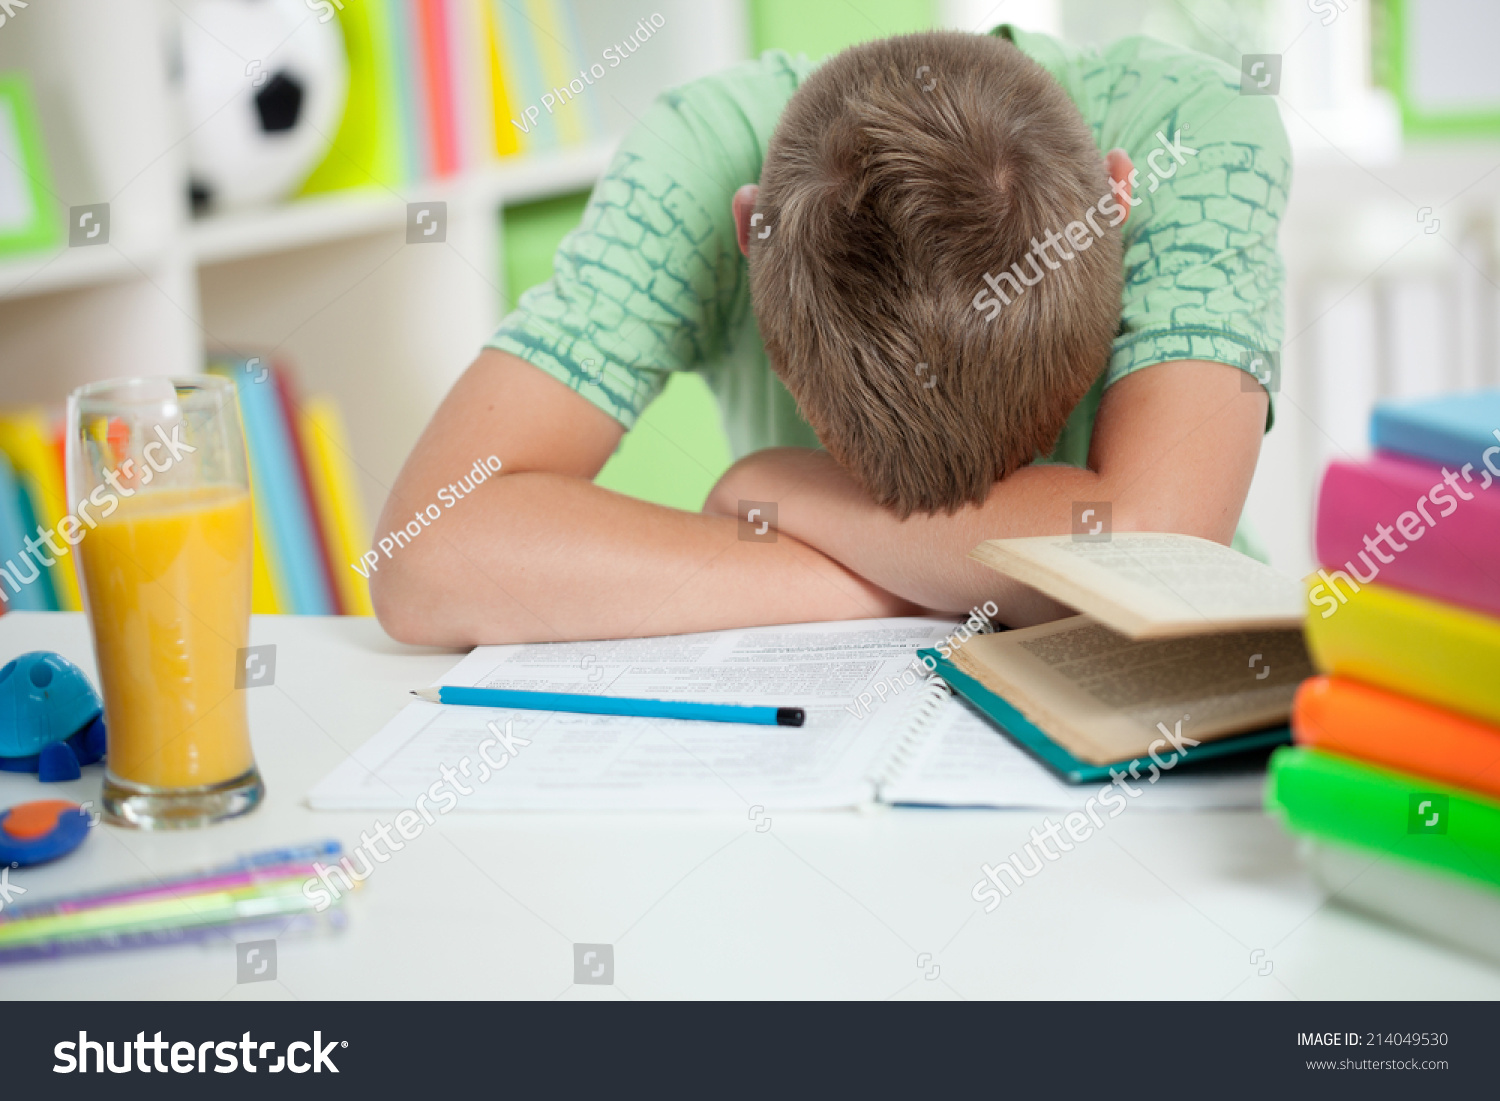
832	905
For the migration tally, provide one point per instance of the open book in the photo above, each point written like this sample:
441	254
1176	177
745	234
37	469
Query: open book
879	729
1183	639
1147	585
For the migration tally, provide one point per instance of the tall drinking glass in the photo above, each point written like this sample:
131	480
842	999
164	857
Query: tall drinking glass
157	481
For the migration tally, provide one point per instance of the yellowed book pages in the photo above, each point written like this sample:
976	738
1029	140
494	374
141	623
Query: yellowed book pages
1151	585
1101	695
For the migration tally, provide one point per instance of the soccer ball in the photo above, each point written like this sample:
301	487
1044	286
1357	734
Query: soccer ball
263	84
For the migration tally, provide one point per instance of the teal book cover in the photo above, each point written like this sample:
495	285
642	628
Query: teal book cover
1035	741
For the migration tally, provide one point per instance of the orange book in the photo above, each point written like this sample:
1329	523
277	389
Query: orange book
1356	720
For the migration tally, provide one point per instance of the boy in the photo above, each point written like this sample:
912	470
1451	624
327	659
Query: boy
965	252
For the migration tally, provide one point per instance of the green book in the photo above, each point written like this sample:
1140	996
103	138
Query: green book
1386	812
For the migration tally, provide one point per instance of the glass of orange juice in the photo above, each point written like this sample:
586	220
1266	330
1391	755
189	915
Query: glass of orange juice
157	479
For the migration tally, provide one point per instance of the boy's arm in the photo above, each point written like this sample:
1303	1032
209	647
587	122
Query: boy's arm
539	552
1174	447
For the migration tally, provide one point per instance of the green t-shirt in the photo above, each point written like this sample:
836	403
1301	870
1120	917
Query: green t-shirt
652	281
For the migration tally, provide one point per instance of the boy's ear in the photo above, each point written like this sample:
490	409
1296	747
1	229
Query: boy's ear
1120	168
743	206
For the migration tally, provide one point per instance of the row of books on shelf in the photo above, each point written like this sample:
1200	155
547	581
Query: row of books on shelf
1394	783
309	520
439	87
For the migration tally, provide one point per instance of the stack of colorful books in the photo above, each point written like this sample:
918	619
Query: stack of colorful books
441	87
309	519
1395	779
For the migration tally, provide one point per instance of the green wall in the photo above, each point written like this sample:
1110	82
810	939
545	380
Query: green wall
678	450
818	29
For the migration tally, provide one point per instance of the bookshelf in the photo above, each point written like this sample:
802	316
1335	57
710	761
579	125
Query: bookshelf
327	282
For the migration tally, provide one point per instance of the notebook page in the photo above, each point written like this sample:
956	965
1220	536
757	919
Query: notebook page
600	762
965	761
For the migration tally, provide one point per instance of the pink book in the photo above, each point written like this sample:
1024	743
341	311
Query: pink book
1413	525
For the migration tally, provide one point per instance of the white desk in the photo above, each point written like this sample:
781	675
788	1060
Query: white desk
836	905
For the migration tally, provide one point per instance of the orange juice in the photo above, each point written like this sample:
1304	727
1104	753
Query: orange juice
167	577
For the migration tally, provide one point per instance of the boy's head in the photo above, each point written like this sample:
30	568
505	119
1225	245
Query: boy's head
902	172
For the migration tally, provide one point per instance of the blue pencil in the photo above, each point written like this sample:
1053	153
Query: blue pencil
613	705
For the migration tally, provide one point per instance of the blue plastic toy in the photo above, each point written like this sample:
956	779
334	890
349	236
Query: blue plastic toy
51	719
33	833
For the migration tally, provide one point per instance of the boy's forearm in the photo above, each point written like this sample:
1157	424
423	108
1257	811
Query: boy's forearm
1174	449
541	557
923	558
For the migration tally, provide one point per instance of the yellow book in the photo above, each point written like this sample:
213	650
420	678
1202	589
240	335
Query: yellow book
509	141
336	497
24	440
1446	655
262	589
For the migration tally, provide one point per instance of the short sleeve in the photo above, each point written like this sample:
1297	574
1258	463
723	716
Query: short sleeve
1203	274
650	280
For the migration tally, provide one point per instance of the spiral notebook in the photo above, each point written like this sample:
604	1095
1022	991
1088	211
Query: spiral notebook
879	729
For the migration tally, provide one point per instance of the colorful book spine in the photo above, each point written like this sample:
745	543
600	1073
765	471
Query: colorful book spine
1408	644
319	546
22	578
26	506
507	139
291	543
336	492
1452	429
437	71
1370	724
551	37
366	146
264	589
591	110
521	65
1390	813
25	438
1415	526
415	112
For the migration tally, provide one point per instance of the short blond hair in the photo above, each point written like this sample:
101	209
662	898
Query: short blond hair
901	174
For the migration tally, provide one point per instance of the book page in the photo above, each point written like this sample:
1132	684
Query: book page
1101	695
599	762
1148	585
966	761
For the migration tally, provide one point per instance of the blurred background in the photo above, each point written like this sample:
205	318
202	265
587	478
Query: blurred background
189	184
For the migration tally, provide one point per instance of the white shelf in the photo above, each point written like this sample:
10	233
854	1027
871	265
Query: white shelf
67	269
537	177
341	215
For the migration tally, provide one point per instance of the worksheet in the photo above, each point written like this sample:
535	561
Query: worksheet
878	728
561	761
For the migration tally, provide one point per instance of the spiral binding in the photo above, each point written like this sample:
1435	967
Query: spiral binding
924	712
918	728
